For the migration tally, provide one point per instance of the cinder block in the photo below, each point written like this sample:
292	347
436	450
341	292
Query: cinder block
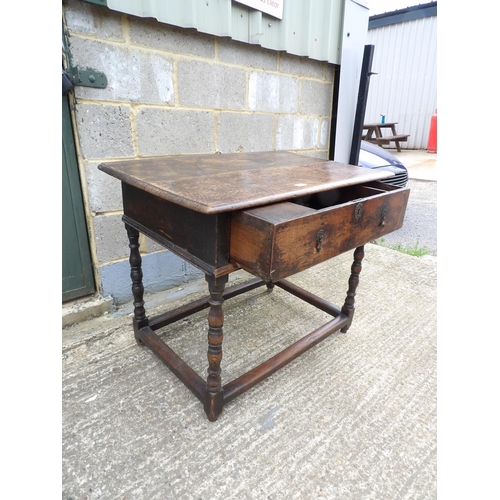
316	98
191	273
104	131
252	56
245	132
324	134
149	245
322	155
174	131
110	238
297	132
132	75
161	270
161	36
301	66
87	19
104	191
205	85
330	72
272	93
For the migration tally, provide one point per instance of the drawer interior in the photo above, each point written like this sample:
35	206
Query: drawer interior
342	195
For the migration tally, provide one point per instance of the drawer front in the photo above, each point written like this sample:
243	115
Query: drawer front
279	240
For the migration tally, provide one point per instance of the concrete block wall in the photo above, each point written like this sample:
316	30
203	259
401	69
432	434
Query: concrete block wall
176	91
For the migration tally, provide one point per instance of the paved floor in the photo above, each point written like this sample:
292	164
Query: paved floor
421	165
419	230
352	418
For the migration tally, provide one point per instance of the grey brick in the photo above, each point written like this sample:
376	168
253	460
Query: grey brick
239	132
87	19
104	191
133	75
174	131
104	131
330	72
322	155
316	98
301	66
110	238
253	56
206	85
151	33
115	281
149	246
273	93
297	132
324	135
161	270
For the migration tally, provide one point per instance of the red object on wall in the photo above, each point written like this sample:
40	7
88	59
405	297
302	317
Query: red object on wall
432	142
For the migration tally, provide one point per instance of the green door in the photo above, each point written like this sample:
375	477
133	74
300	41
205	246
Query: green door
77	275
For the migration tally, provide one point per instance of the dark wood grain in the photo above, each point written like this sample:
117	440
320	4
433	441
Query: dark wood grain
348	307
214	396
135	260
201	239
220	183
273	214
279	240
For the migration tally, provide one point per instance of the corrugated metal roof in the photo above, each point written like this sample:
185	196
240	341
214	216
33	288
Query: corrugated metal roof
312	28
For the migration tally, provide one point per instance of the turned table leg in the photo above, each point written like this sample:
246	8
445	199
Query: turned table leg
348	308
140	319
214	395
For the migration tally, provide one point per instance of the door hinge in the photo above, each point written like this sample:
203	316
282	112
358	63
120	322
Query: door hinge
87	77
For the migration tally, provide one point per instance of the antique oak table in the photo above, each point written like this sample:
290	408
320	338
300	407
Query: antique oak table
272	214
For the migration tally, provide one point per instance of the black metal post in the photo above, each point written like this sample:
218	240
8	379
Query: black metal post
364	82
335	107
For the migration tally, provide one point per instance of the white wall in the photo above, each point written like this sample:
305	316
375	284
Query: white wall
405	88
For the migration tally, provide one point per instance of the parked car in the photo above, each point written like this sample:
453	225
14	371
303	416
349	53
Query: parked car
373	156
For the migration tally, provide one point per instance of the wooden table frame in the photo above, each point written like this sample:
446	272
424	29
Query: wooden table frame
191	205
211	392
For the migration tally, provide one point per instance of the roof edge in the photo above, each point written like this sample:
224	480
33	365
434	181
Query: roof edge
403	15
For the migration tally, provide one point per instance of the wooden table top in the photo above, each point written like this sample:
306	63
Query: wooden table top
379	125
214	183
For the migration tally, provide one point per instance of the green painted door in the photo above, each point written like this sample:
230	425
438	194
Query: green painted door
77	275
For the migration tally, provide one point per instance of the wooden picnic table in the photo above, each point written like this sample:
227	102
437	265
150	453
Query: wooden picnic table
374	134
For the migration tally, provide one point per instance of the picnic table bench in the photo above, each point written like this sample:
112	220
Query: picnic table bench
374	134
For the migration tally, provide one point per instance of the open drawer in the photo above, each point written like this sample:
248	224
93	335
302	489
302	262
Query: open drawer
276	241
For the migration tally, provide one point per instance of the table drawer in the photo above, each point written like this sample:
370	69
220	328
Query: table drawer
276	241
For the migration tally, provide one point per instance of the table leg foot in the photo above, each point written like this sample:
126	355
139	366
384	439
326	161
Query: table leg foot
348	308
140	319
213	405
214	396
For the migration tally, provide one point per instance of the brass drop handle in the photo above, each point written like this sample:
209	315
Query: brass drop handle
319	239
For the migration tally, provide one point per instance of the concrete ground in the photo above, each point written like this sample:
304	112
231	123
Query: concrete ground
421	165
352	418
419	229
